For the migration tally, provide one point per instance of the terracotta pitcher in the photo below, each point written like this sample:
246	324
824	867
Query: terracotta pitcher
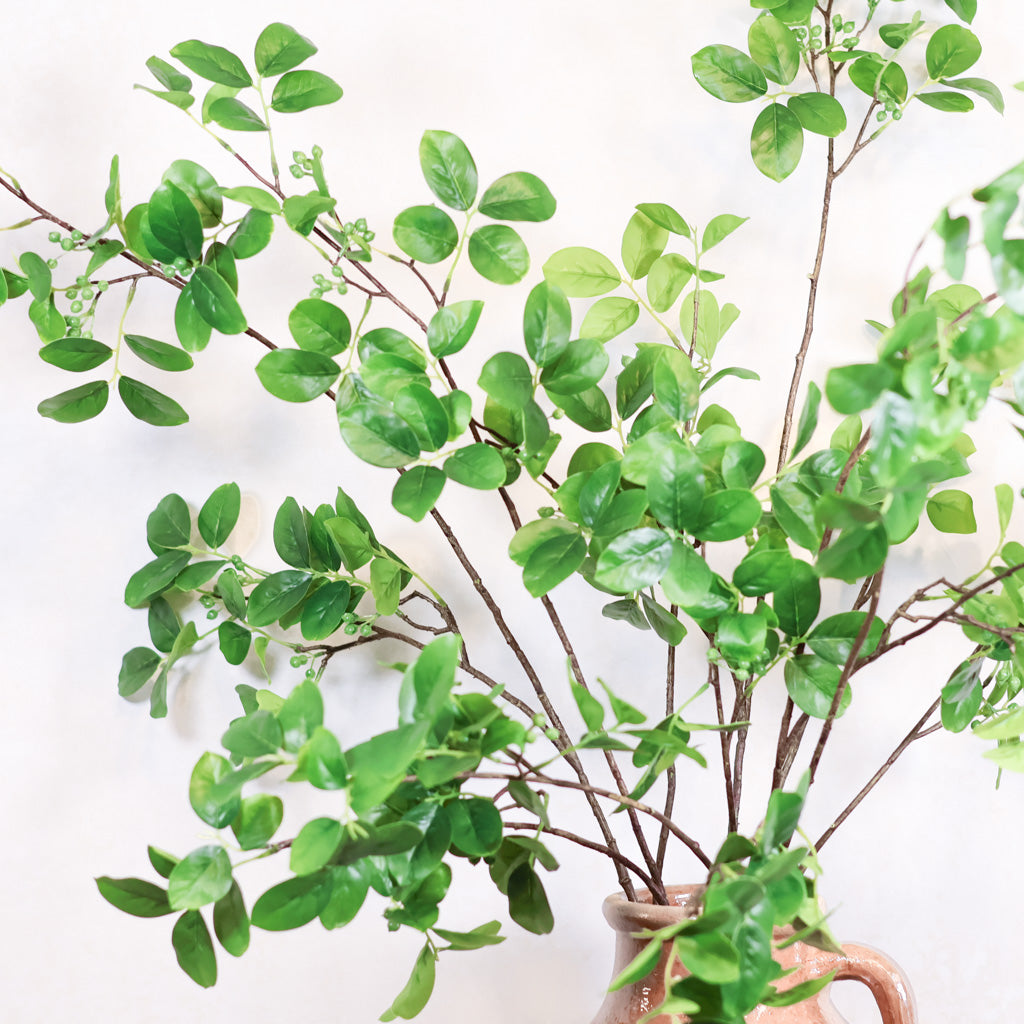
627	1006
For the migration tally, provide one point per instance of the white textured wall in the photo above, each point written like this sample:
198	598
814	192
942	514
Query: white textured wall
598	100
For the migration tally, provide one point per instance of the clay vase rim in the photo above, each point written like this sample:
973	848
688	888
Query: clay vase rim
645	915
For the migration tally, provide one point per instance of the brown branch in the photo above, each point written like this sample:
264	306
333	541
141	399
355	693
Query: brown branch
670	793
848	669
725	736
588	844
916	733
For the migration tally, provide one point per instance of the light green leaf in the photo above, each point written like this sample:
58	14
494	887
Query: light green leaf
296	375
774	47
449	169
776	142
952	511
214	63
519	196
280	48
819	113
951	51
728	74
498	254
581	272
300	90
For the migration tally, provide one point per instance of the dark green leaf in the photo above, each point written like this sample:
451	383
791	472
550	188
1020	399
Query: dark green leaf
154	577
527	902
231	922
76	354
797	599
137	668
233	640
812	684
175	222
257	820
193	948
219	514
633	560
980	87
301	715
322	613
134	896
476	826
215	302
277	595
873	75
728	514
192	330
374	433
252	235
78	404
213	63
477	465
292	903
417	990
235	115
149	405
962	695
859	552
158	353
948	102
833	638
449	169
426	233
552	561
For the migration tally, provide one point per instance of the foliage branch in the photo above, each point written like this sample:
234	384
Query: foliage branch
638	481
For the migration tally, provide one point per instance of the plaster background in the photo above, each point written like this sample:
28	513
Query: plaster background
601	105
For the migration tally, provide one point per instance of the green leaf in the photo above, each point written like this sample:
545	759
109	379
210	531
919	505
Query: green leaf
952	511
416	993
980	87
808	418
483	935
192	330
164	624
812	683
213	63
1004	506
852	389
321	761
951	51
452	326
258	818
233	640
609	317
948	102
154	577
300	90
776	142
833	638
859	552
728	74
137	668
664	623
296	375
257	198
425	413
193	948
774	47
962	696
134	896
158	353
527	902
315	844
547	323
519	196
507	379
231	922
477	465
252	235
149	405
76	354
581	272
292	903
48	322
667	217
219	514
963	9
169	525
675	487
319	326
798	599
669	275
476	826
719	228
38	275
633	560
819	113
301	212
799	992
254	734
642	243
375	434
322	614
235	115
381	763
676	385
728	514
199	185
873	75
214	806
449	169
277	595
280	48
204	876
581	365
215	302
552	561
385	584
78	404
498	254
168	75
426	233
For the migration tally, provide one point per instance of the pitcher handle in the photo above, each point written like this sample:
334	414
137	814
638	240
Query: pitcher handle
888	984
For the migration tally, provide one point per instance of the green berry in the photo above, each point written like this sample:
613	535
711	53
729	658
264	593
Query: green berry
897	115
296	171
87	334
316	293
72	293
342	288
369	236
212	613
54	236
207	601
237	562
87	293
76	306
73	330
365	629
337	271
51	263
77	235
181	263
298	660
321	281
298	156
849	27
103	285
317	152
311	673
880	115
349	617
81	280
351	628
66	244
